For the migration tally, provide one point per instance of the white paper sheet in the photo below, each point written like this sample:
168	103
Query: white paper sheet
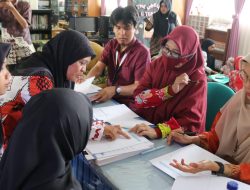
85	87
103	146
205	183
190	153
120	115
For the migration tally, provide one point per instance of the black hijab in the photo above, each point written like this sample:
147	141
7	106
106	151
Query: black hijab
206	44
60	52
210	59
4	51
55	127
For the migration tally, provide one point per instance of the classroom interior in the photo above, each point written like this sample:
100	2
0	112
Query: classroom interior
218	20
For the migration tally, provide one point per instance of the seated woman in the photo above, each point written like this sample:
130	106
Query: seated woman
173	90
229	137
4	78
61	63
55	127
207	47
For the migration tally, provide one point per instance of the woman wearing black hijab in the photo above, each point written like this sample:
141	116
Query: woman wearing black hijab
66	50
60	64
45	141
208	46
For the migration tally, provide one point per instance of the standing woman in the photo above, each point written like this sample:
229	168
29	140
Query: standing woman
16	17
163	22
173	91
55	127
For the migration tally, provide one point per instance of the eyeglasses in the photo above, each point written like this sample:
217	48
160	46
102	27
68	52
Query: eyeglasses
170	53
173	54
244	76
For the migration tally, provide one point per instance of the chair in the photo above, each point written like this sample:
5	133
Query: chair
217	95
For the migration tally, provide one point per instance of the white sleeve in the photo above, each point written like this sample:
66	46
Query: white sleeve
97	130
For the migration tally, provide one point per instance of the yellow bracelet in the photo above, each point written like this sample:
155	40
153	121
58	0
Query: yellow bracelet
165	129
167	95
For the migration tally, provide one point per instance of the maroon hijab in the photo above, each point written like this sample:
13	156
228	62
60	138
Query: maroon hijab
188	107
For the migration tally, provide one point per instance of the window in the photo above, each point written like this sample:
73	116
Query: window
218	11
113	4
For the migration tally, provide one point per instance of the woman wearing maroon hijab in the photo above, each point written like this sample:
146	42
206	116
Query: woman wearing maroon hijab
173	91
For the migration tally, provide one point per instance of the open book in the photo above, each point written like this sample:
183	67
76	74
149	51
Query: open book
190	153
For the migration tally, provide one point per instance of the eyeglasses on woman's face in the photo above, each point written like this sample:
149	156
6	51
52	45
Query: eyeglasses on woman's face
170	53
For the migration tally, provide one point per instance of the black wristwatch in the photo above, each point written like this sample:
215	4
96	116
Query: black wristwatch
220	172
118	90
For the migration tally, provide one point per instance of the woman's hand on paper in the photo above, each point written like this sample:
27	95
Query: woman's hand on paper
104	95
203	165
180	82
179	137
113	131
144	130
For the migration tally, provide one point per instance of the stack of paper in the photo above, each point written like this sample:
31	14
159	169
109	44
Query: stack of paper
190	153
120	115
106	151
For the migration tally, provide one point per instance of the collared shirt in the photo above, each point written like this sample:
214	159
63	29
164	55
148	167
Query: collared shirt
133	66
10	22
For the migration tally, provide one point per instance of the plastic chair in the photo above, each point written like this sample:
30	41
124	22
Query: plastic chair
217	95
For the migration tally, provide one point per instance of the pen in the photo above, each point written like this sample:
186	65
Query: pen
189	133
153	149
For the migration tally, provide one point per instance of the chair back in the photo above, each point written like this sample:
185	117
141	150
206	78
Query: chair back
217	95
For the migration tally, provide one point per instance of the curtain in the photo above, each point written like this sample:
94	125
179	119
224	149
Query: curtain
103	8
244	45
188	8
234	36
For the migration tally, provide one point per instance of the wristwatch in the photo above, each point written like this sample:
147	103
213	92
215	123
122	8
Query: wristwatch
220	172
118	90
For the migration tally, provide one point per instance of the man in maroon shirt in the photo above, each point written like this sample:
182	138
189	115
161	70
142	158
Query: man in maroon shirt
16	17
124	56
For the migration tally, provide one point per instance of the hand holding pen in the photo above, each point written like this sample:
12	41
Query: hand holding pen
182	137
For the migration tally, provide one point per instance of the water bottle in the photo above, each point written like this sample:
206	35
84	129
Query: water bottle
232	185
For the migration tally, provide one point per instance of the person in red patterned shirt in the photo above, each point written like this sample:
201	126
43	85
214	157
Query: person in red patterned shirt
4	78
172	93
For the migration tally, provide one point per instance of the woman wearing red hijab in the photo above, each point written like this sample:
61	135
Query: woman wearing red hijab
173	91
